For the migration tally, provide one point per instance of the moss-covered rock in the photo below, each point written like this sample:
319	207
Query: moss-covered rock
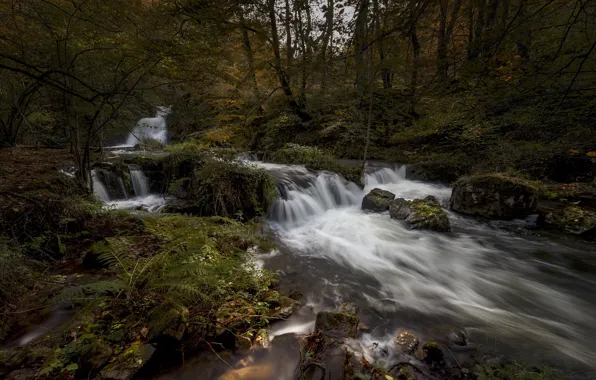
425	214
430	352
220	186
493	196
127	364
571	219
377	200
337	324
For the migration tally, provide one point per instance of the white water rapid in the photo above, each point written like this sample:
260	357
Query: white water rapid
154	128
143	199
99	189
139	180
478	277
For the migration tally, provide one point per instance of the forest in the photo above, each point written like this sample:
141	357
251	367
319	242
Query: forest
297	189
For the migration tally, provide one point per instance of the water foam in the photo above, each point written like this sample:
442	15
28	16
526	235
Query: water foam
474	274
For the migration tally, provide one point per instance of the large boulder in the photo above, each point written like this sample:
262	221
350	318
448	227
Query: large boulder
377	200
420	214
493	196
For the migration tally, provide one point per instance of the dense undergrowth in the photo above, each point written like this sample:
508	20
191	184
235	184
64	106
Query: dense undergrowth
168	280
212	182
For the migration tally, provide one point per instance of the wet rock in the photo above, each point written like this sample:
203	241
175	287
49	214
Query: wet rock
127	364
337	324
430	353
399	209
406	342
286	307
457	338
573	220
492	196
377	200
424	214
243	342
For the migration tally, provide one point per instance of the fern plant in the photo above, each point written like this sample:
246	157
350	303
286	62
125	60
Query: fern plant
199	266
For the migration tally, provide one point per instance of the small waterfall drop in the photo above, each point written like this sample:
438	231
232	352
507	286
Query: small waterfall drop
139	180
154	128
98	188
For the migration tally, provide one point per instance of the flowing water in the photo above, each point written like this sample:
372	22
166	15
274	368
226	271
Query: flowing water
142	200
98	188
139	180
524	296
154	128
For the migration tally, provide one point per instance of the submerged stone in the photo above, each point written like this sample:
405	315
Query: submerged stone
377	200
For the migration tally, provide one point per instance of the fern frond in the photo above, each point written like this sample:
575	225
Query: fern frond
91	291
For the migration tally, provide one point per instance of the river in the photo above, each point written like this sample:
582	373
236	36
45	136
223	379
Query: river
516	294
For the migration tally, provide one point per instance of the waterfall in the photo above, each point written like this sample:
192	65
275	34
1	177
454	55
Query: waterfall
98	188
154	128
304	194
140	183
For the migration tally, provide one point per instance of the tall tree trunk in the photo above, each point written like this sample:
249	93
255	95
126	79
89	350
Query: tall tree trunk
281	74
360	40
252	77
445	34
479	30
442	41
525	36
288	25
371	93
385	74
470	47
493	13
326	40
415	63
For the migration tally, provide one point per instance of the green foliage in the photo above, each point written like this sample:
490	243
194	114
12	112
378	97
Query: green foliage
226	188
193	268
279	131
213	182
315	159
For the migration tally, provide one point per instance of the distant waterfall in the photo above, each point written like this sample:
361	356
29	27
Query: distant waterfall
154	128
139	180
98	188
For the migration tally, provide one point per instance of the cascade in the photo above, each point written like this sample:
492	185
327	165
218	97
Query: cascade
98	188
154	128
139	180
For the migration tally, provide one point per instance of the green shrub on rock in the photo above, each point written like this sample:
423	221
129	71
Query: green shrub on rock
225	188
